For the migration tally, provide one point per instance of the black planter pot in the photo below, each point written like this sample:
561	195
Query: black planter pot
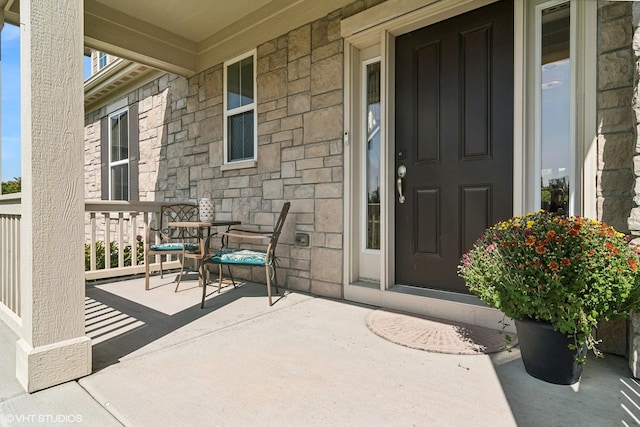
546	355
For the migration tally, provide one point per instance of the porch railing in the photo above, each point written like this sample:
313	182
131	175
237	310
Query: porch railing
114	238
10	214
114	245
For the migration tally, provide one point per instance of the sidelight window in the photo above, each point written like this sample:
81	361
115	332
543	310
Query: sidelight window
371	155
559	86
556	114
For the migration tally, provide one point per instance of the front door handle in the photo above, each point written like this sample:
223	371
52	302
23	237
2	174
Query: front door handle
402	171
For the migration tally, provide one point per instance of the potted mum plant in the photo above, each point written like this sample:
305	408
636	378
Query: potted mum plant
557	277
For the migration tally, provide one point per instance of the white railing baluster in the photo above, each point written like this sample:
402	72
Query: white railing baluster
92	243
133	232
120	240
16	264
4	265
107	240
10	214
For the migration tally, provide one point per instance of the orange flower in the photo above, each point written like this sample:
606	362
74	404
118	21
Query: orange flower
530	241
573	232
554	265
565	261
609	245
541	249
551	234
537	263
632	264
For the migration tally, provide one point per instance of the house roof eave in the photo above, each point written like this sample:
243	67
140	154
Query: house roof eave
115	80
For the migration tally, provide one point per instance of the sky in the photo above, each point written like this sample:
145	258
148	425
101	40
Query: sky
10	95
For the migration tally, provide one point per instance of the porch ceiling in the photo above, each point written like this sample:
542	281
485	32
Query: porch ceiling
187	36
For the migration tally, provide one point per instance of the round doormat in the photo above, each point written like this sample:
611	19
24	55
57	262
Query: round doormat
435	335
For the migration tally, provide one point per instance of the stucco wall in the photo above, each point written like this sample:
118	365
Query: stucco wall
300	148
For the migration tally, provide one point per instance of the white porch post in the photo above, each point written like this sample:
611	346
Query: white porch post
53	347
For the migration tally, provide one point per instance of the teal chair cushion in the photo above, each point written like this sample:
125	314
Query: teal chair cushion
239	256
173	247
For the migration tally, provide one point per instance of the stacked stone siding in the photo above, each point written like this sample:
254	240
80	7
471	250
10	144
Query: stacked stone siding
618	146
616	120
300	148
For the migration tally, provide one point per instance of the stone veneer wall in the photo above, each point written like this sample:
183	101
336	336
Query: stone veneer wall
616	121
300	150
618	146
153	115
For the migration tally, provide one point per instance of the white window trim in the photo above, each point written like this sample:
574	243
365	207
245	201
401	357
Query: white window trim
119	162
106	60
244	163
583	199
369	268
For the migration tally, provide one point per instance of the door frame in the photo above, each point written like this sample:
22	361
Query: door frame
380	25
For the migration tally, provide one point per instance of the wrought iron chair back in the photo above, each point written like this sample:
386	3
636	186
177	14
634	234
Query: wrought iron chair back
177	213
165	240
250	255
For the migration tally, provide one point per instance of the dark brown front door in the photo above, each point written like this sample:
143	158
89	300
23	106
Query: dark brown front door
454	136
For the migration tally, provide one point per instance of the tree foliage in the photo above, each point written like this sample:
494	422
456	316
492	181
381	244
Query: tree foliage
12	186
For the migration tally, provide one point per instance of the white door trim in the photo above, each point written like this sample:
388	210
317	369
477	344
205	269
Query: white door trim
379	26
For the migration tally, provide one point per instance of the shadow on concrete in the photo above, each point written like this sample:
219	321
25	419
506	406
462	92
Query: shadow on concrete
119	325
606	395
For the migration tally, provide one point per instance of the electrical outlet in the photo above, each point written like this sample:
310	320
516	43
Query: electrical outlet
302	239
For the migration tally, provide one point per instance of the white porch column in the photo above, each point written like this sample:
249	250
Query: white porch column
53	347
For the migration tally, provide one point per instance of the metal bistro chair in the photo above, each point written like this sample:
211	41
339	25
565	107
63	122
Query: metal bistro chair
248	256
166	240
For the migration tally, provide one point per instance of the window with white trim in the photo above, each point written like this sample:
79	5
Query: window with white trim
102	60
555	112
240	124
371	155
119	155
368	135
561	118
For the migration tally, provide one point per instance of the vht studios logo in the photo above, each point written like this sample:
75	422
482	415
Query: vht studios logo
8	419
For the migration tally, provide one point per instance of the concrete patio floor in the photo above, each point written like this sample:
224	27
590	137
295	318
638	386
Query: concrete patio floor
159	359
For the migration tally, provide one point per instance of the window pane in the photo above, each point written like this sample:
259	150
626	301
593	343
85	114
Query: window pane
246	75
556	108
233	86
115	139
240	83
240	138
124	136
119	137
120	182
373	155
